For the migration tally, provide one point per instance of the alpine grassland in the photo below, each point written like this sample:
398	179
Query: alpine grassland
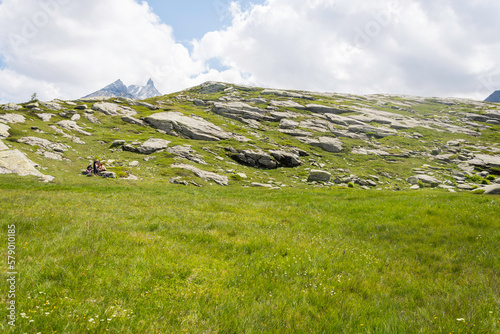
113	256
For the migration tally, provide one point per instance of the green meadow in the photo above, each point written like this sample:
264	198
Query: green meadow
108	256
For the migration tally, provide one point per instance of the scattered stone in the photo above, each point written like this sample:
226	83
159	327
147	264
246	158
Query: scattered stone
75	118
45	117
186	152
467	187
319	176
91	118
72	126
133	163
81	107
178	180
32	105
207	176
117	143
261	185
153	145
132	120
108	175
256	159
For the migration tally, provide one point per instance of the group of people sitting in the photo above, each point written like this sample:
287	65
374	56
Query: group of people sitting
95	168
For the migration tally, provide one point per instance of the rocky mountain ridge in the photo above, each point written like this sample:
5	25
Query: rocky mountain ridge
118	89
247	136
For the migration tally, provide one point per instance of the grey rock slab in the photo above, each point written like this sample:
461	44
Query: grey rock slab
256	159
186	152
207	176
133	120
45	116
485	160
238	110
153	145
212	87
3	147
285	93
295	133
72	126
319	176
288	124
316	124
52	105
286	104
191	127
492	190
277	116
323	109
11	107
15	162
44	144
286	159
4	131
12	118
328	144
113	109
91	118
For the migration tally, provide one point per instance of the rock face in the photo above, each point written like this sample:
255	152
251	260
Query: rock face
113	109
207	176
175	123
328	144
12	118
256	159
319	176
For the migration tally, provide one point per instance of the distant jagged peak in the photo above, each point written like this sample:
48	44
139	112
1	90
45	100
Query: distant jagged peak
119	89
495	97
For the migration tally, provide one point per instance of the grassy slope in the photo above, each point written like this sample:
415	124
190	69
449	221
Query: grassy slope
153	258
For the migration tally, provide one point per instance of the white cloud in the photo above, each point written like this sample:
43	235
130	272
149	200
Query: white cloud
417	47
68	48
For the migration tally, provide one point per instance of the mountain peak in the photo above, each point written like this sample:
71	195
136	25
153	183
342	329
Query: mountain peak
118	89
495	97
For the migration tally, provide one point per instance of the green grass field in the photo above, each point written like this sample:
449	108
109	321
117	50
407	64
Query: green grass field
108	256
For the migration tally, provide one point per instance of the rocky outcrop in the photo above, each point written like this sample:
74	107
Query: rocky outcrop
492	190
52	105
44	144
207	176
486	161
113	109
45	116
177	124
12	118
323	109
286	104
256	159
15	162
238	111
328	144
212	87
285	93
11	107
153	145
286	159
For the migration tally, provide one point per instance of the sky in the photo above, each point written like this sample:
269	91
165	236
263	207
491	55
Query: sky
69	48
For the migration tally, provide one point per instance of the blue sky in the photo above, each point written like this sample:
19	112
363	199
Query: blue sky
69	48
192	19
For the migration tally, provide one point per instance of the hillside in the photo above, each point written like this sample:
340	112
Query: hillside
225	134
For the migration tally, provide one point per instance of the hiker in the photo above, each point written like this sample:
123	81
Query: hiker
96	166
89	170
101	167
